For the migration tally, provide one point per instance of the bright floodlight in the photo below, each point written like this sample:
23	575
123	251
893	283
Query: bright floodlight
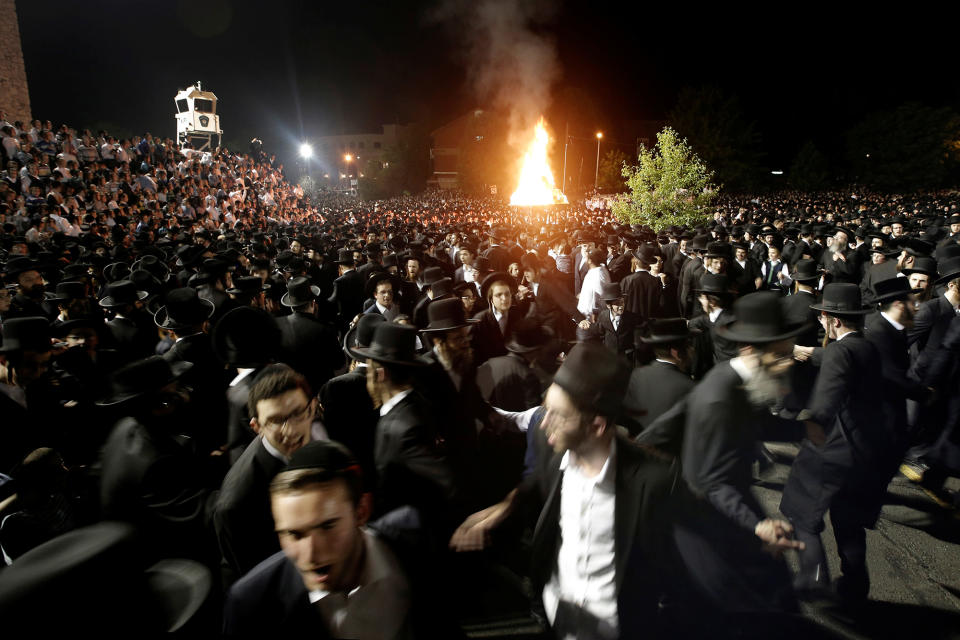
306	150
348	157
599	135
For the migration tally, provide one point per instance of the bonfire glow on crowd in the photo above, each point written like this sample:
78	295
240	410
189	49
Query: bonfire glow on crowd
536	186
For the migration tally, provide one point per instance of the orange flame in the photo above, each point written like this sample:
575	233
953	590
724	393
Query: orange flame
536	186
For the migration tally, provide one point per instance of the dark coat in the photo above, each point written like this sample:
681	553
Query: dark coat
411	470
241	515
239	433
710	348
874	273
499	258
847	270
557	307
488	340
644	295
207	380
891	344
857	456
623	339
350	417
310	347
580	269
619	267
507	382
690	280
349	295
653	389
744	279
721	432
646	505
132	340
802	374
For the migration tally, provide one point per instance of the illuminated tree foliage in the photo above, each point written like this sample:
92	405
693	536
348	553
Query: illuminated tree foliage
611	171
669	186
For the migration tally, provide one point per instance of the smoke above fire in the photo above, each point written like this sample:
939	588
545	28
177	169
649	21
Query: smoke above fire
509	64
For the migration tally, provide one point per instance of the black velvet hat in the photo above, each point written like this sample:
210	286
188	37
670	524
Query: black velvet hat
594	377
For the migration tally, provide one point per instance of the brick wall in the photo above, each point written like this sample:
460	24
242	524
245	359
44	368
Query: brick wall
14	96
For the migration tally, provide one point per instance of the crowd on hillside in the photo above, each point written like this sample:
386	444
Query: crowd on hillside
337	415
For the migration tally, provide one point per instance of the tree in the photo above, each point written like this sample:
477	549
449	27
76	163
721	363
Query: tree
670	186
910	147
611	171
809	170
716	127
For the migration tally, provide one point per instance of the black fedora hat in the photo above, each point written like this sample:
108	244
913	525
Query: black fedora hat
610	292
246	338
121	293
183	308
21	264
842	299
142	377
130	594
392	344
431	275
70	290
922	264
949	269
760	319
299	291
442	288
528	336
716	284
647	253
594	377
806	271
497	276
116	271
445	315
345	257
246	285
154	265
64	328
896	288
667	330
361	335
719	250
699	243
25	334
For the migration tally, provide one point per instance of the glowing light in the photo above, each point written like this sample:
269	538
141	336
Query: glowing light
599	135
536	186
348	158
777	173
306	151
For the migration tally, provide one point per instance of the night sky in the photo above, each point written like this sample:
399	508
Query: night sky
287	71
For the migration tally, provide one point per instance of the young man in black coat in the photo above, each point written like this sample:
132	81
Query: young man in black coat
508	382
617	328
307	344
851	452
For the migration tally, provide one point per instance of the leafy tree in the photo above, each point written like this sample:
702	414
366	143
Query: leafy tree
611	171
910	147
809	170
716	127
669	186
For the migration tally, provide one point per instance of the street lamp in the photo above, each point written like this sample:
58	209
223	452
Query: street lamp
306	151
596	175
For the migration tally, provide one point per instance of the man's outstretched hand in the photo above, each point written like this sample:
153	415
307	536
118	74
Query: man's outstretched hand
776	536
474	533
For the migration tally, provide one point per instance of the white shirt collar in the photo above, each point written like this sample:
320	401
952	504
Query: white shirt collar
741	368
273	451
394	401
496	314
241	374
382	309
896	325
606	472
715	314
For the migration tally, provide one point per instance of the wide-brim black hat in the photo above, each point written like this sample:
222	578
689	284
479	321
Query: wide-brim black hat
446	315
361	334
595	377
25	334
246	338
142	377
924	265
299	292
842	299
806	271
948	269
667	330
528	336
122	292
497	276
393	344
716	284
760	319
896	288
183	308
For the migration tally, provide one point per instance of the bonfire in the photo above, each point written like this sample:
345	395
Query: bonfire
537	186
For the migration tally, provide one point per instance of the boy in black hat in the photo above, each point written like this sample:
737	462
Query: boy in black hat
616	326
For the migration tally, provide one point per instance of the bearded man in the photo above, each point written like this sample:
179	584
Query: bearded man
727	415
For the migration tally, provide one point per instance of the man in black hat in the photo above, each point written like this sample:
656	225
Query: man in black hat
28	300
411	469
803	373
132	330
348	289
593	518
282	409
644	292
848	469
151	478
379	287
690	275
842	263
658	386
348	412
617	327
728	413
714	296
307	344
555	305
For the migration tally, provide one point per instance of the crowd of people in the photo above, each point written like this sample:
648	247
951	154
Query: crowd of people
325	414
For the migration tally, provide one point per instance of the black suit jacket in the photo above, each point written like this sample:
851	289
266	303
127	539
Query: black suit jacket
644	295
350	417
891	344
690	280
623	339
557	307
647	502
348	295
488	340
508	382
241	515
499	258
653	389
310	346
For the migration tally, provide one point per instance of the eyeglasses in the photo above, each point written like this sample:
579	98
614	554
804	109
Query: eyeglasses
279	422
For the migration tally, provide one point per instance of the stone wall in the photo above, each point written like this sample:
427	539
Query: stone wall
14	96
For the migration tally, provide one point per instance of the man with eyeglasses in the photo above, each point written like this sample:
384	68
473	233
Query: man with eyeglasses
282	409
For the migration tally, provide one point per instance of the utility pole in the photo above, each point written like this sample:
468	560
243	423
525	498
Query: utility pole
566	143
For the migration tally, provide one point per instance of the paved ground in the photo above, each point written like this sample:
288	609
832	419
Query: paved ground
913	556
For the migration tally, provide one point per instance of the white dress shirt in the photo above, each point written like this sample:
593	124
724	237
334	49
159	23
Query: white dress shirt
591	290
585	573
